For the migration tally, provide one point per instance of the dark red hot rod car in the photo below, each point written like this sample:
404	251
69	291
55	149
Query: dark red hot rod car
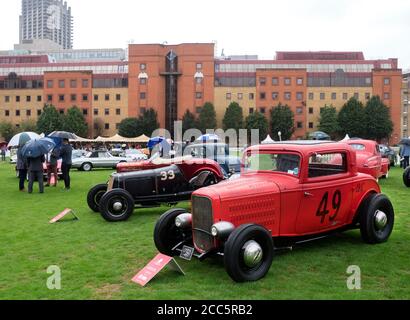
287	192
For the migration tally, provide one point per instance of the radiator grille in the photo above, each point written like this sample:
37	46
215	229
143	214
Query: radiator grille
202	222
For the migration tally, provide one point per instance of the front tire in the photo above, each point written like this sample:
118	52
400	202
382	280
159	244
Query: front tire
94	196
376	219
116	205
406	177
167	235
248	253
87	167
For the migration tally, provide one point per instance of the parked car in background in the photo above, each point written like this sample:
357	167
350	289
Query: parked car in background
388	153
287	193
135	155
369	158
97	159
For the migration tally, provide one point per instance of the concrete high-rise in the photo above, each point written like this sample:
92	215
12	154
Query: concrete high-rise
46	23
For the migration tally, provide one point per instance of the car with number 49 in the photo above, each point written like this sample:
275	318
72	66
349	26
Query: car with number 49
288	193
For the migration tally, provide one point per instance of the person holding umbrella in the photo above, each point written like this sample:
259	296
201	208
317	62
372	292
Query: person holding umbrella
405	152
22	169
66	154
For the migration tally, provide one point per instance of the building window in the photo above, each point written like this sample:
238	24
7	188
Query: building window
275	95
199	80
107	112
85	112
73	84
240	96
228	96
143	95
118	97
28	113
50	83
85	83
17	98
39	98
61	98
28	99
199	66
251	96
7	99
198	110
143	110
38	112
262	95
299	125
299	96
96	112
310	110
275	81
73	97
299	81
367	94
61	111
143	66
107	97
198	95
143	81
311	96
17	113
262	110
49	98
386	96
356	95
299	110
262	81
117	126
386	81
251	110
7	113
322	96
96	97
107	126
85	97
61	84
287	81
334	95
310	125
118	112
345	96
288	95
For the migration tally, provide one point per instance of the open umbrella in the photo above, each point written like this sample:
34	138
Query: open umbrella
208	137
20	139
405	142
63	135
36	148
154	141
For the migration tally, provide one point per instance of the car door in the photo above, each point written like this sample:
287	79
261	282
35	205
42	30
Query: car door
327	194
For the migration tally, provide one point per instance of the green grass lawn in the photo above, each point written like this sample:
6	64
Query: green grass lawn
98	259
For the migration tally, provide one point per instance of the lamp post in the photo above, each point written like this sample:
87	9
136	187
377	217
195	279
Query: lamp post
280	135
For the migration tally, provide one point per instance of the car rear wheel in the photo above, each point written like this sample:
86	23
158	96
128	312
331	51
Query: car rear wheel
406	177
376	219
94	196
116	205
248	253
86	167
167	235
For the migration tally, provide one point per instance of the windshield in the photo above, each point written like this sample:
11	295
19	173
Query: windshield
287	163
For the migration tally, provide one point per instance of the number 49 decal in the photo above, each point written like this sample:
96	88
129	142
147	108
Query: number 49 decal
323	211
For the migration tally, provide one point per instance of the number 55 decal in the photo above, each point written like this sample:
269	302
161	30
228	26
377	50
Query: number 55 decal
170	175
323	211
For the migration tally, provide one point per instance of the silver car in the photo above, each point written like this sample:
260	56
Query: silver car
97	159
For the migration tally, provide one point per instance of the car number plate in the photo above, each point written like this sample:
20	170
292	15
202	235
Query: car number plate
187	253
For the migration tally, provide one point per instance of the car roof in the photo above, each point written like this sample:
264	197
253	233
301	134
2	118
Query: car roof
303	146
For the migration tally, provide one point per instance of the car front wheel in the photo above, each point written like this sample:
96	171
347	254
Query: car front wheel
86	167
167	235
94	196
248	253
406	177
116	205
376	219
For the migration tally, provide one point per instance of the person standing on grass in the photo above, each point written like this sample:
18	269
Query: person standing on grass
405	154
66	154
3	153
52	167
35	171
22	169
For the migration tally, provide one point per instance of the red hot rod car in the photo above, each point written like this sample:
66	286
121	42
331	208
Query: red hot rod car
287	193
369	159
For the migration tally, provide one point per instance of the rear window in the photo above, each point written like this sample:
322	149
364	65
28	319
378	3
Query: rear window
358	146
327	164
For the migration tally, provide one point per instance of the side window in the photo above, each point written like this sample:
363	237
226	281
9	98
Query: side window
94	155
327	164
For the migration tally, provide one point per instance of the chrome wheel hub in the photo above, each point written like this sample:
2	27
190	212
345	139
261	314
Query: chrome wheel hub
380	220
252	254
117	206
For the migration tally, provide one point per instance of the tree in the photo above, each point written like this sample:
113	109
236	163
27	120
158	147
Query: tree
258	121
98	127
233	118
188	121
129	128
328	121
28	126
7	130
74	122
148	122
351	119
378	121
282	119
207	118
50	120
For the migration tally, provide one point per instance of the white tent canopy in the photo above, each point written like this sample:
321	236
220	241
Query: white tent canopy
268	140
118	138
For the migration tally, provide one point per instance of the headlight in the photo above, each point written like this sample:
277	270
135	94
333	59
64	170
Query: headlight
222	230
184	221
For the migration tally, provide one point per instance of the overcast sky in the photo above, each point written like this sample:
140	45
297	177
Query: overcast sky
379	28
